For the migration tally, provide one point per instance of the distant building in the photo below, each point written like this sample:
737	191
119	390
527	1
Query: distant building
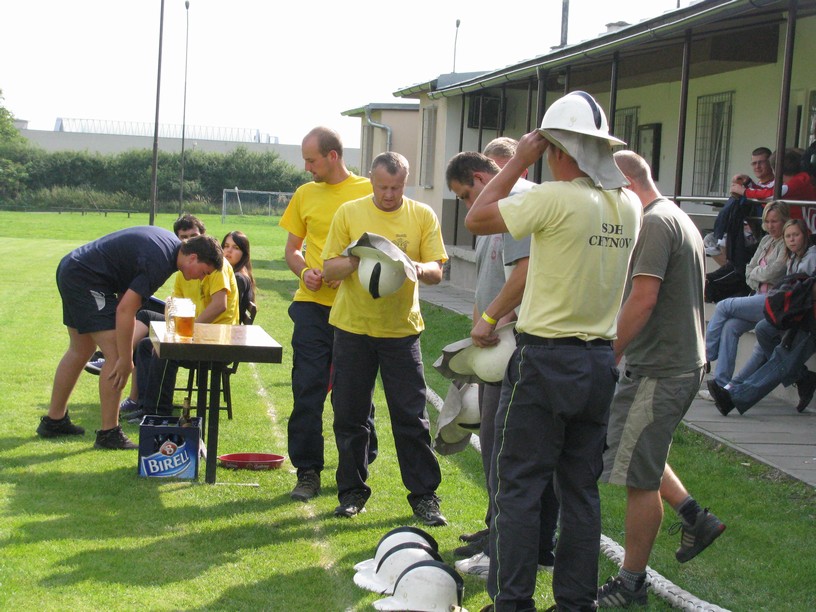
694	90
388	127
111	137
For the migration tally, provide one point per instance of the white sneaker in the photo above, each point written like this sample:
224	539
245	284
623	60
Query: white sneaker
478	565
705	394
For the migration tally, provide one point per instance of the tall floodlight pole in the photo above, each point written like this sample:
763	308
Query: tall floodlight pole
455	40
564	22
184	111
154	186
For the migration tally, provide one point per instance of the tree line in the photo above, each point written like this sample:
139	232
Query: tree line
32	178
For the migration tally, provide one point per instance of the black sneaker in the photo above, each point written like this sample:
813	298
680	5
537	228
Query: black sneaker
113	439
51	428
805	386
722	399
351	504
614	594
307	487
427	511
474	543
546	561
476	536
470	549
694	539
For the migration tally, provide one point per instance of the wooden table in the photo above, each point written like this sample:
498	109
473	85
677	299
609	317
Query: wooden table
213	346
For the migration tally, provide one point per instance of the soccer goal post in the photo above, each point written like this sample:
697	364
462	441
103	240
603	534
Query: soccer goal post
238	202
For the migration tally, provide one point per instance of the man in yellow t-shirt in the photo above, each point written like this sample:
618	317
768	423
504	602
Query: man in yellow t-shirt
383	334
216	301
215	297
307	219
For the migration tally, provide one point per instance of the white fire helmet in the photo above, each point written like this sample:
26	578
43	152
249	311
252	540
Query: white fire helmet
469	417
459	416
383	265
398	535
427	586
578	112
380	277
382	578
486	364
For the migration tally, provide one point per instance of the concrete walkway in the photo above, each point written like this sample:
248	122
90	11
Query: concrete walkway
771	432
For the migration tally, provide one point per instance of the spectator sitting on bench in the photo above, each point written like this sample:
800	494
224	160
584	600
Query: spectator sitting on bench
736	315
763	171
797	183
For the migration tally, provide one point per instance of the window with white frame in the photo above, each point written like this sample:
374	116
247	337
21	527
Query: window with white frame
712	144
428	147
626	124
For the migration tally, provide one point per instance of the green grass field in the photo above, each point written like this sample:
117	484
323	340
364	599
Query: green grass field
80	530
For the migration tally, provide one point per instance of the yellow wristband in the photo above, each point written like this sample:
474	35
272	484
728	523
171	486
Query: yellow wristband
303	272
488	318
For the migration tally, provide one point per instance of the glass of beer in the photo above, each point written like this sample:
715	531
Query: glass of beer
169	316
184	316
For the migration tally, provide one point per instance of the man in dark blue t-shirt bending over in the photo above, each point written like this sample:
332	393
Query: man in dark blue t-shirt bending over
102	285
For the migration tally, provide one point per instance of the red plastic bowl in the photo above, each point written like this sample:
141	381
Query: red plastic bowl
251	461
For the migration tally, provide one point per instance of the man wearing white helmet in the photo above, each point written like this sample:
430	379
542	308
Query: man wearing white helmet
560	381
376	332
501	270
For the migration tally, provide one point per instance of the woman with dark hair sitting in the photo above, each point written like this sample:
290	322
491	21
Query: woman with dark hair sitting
236	250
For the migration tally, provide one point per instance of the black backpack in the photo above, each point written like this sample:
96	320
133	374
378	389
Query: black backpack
790	304
725	282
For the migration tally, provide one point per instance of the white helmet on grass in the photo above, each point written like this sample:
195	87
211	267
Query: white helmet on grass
383	577
396	536
427	586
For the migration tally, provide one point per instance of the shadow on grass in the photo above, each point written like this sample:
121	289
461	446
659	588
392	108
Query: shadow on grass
333	585
162	561
284	288
270	264
63	448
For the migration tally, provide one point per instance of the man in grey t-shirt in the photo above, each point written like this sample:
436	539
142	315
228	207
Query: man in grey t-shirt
661	329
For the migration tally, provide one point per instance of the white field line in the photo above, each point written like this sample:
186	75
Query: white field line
327	561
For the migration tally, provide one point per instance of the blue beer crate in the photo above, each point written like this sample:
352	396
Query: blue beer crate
167	450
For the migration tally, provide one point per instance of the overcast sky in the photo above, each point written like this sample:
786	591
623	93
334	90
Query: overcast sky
277	66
